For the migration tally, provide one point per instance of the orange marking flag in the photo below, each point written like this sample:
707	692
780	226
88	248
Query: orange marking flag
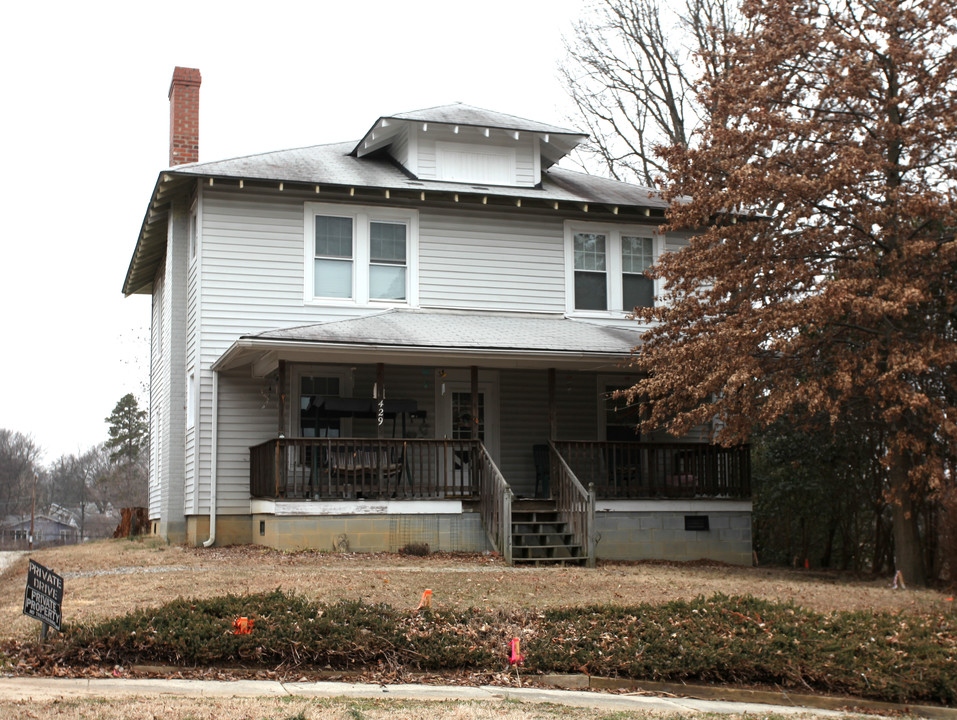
242	626
515	655
426	601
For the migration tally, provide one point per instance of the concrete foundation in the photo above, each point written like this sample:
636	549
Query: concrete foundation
371	533
230	530
627	530
656	530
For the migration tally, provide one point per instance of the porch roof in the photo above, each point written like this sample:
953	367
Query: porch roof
452	338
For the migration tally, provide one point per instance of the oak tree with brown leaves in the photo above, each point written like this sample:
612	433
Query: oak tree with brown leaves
822	277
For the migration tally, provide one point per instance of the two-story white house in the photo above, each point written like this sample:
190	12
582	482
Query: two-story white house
411	338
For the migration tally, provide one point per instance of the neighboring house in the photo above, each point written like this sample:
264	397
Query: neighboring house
56	527
377	343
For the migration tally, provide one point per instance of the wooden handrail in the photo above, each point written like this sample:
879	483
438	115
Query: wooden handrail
575	504
495	504
337	468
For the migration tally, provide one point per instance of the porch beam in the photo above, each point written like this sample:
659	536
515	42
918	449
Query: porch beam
267	363
552	406
379	397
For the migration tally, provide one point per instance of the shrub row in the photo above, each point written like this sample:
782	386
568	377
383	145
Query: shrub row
899	657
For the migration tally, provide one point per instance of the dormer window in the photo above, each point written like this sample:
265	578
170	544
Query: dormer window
459	162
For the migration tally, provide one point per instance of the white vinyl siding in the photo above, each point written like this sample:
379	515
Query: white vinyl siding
252	274
243	422
158	383
400	149
674	243
479	260
458	162
521	154
193	310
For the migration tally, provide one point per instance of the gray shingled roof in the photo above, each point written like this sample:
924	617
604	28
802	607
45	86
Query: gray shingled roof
560	141
466	331
462	114
333	165
337	165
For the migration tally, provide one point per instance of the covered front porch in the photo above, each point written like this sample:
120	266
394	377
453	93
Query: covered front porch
388	431
572	474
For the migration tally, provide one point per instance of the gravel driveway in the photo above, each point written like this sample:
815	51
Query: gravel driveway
8	557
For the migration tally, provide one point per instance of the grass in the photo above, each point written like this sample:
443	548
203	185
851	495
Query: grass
317	709
756	626
115	577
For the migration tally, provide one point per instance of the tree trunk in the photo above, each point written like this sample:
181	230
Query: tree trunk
907	554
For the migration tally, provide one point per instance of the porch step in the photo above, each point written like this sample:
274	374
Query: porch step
540	537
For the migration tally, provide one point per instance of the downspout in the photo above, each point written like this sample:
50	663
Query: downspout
214	452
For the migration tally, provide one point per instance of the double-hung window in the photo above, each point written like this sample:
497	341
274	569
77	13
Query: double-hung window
637	256
387	260
334	255
591	273
606	266
360	255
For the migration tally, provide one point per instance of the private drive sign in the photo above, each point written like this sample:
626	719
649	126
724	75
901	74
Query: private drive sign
44	595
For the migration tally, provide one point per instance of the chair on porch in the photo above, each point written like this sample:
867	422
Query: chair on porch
542	460
360	469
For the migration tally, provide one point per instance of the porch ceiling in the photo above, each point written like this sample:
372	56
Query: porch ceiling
412	337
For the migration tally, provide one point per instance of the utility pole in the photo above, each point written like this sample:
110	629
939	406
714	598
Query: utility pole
33	508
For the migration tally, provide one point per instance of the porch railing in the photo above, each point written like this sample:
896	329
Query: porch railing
626	470
495	504
338	468
575	504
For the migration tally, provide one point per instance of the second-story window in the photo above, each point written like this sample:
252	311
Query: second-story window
591	277
333	276
361	255
606	265
387	258
637	255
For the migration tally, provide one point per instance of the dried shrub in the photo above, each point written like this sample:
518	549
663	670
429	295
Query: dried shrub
417	549
897	657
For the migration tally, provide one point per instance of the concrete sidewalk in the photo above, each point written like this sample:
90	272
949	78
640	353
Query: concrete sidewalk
33	688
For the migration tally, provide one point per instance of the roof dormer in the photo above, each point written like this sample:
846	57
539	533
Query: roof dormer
464	144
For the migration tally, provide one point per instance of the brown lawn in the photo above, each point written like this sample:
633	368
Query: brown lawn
112	577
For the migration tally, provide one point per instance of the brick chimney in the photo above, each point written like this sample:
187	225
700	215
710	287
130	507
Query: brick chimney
184	116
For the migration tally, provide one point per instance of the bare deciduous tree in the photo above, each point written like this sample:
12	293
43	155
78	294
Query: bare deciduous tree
631	71
19	461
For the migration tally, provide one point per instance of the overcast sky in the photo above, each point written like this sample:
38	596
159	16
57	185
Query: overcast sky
86	132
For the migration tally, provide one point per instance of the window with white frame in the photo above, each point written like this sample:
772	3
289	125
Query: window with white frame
637	256
387	260
314	386
360	255
591	274
334	253
605	268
